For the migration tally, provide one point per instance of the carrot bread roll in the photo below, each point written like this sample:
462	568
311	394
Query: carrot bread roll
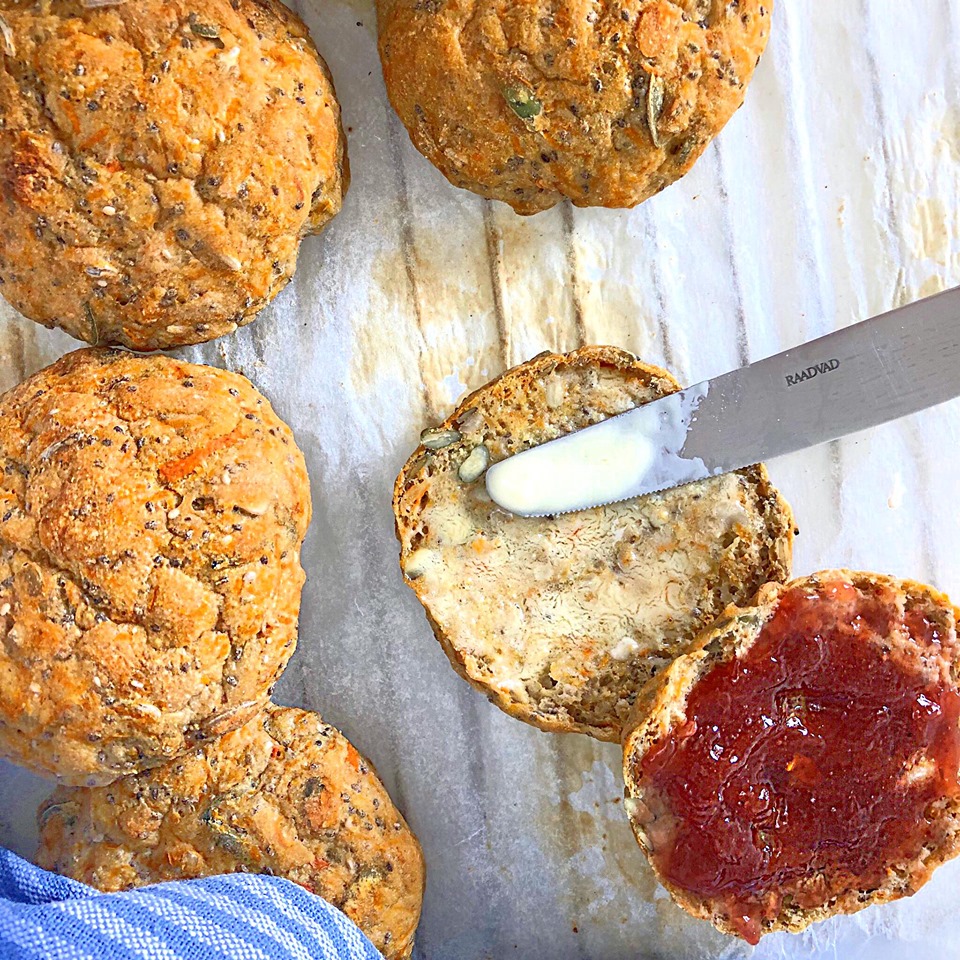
533	102
151	516
160	162
286	794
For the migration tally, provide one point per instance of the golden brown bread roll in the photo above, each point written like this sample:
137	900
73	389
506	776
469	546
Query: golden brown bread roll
151	516
285	794
160	163
531	102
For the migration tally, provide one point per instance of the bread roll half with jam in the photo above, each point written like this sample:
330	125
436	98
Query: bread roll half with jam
802	759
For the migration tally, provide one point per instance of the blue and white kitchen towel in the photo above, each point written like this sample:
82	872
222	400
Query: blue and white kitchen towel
235	917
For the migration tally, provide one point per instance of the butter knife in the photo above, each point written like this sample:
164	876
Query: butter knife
858	377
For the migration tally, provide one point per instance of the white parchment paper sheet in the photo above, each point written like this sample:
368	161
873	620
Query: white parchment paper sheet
832	196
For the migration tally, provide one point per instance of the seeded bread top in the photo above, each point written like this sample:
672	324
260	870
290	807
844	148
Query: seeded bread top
151	516
285	794
562	620
532	102
160	162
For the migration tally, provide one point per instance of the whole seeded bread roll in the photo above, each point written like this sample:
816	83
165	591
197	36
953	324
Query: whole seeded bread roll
532	102
285	794
151	516
561	620
802	759
160	162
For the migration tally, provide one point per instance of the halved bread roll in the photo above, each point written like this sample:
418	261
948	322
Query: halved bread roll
561	620
802	759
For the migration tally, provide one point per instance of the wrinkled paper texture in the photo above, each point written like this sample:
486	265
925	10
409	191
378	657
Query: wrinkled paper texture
833	195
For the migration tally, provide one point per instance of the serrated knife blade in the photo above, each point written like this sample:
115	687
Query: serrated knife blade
858	377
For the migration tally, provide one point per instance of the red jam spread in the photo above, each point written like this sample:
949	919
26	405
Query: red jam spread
807	765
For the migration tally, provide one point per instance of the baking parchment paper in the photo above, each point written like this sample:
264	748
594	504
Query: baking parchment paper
832	196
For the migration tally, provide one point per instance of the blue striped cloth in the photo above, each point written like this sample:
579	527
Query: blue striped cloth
235	917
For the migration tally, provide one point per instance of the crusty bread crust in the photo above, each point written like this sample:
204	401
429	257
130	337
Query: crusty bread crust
151	516
286	794
532	102
661	707
160	162
540	634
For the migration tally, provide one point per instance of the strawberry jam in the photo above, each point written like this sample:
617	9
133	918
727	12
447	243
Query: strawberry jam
812	762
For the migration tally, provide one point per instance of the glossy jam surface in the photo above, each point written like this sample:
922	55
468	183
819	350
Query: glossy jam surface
809	763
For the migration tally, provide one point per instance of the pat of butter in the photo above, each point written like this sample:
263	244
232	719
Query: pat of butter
625	649
626	456
605	463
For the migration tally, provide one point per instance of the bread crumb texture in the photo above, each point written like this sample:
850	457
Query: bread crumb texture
801	759
151	516
531	102
160	163
561	620
285	794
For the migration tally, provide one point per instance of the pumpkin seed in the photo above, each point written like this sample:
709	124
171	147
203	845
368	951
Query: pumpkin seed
436	438
474	466
522	102
418	563
209	31
655	107
67	810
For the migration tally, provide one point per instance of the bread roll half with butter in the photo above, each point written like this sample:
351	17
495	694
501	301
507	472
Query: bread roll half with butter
561	620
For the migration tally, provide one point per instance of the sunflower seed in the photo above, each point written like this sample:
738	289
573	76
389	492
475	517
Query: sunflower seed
655	107
209	31
470	420
94	327
474	466
230	261
7	34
